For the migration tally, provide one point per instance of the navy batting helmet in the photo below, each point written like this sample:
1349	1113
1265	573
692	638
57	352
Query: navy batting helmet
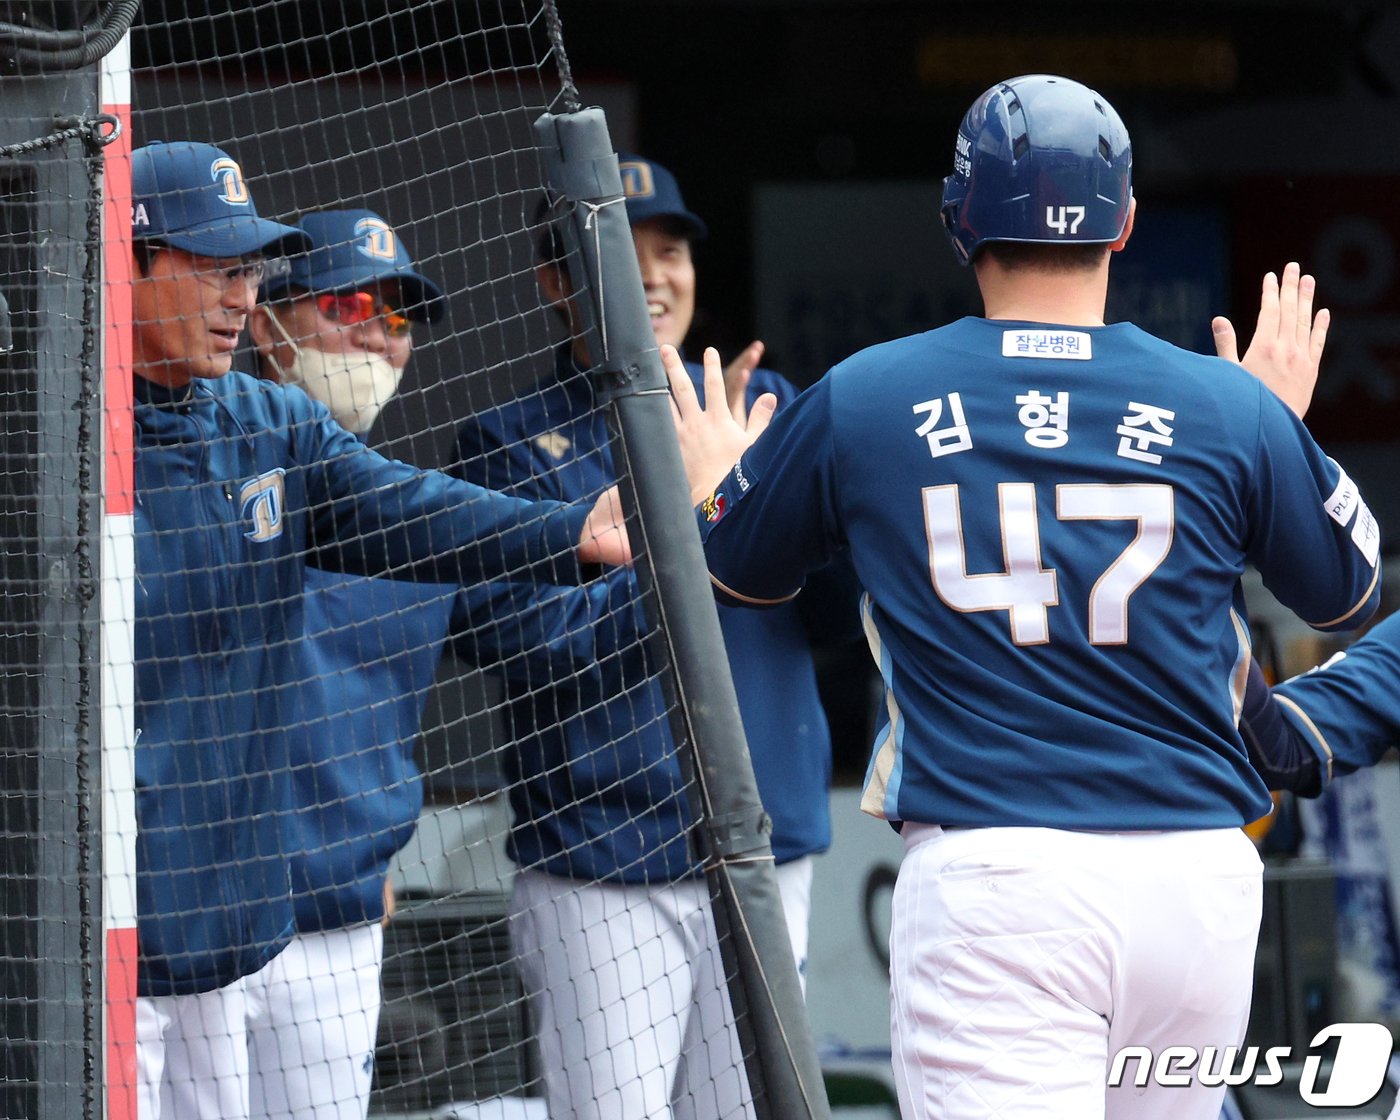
1041	159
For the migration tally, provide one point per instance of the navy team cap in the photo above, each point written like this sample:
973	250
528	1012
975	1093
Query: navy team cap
352	249
652	192
194	197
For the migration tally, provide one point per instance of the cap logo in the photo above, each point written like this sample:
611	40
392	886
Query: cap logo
230	175
637	181
379	242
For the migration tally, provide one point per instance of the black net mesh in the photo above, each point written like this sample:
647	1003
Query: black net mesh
347	671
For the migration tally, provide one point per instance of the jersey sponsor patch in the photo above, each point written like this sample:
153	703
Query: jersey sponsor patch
1366	535
1344	503
1343	500
1022	343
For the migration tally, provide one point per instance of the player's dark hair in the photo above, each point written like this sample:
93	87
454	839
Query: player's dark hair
1039	257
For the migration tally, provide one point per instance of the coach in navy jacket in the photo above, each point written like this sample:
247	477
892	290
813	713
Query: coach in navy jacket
238	484
600	819
608	736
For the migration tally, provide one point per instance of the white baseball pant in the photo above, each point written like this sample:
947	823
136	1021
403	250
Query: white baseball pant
312	1017
1023	959
795	889
192	1056
629	1001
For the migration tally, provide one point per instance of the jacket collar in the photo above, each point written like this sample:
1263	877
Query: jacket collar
156	395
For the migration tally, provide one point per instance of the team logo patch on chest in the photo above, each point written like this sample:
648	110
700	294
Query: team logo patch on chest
262	501
554	444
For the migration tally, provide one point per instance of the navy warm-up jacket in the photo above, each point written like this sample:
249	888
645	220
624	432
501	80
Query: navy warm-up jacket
597	790
239	483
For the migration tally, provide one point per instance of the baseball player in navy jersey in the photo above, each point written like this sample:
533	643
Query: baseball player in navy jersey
239	483
1050	517
610	917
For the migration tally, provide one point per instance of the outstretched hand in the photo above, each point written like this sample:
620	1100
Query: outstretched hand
604	537
1286	349
711	437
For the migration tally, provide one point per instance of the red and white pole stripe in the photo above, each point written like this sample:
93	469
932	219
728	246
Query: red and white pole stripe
118	605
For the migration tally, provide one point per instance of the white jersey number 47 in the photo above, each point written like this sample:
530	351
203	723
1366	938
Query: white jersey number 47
1026	589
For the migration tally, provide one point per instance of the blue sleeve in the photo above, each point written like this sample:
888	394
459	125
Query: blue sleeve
773	518
531	634
526	634
1315	542
376	516
495	450
1284	757
1348	710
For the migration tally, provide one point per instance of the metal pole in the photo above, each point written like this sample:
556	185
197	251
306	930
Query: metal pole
48	627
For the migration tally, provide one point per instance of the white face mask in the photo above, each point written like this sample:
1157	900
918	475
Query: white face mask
354	386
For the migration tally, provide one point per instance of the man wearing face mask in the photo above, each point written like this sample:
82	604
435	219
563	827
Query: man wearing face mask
339	325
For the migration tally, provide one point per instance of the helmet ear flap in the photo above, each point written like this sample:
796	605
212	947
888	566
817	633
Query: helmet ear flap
950	226
949	214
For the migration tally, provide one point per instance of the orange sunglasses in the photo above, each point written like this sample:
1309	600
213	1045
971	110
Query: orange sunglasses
353	308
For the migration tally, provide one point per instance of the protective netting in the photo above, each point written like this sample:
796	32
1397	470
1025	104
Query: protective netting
423	842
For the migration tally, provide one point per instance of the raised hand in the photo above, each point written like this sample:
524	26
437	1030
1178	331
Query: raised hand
1286	349
711	438
736	379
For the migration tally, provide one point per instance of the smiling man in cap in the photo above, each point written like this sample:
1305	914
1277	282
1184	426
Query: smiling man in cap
608	886
238	483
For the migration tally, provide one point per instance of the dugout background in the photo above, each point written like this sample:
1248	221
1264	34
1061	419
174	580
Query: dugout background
812	137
